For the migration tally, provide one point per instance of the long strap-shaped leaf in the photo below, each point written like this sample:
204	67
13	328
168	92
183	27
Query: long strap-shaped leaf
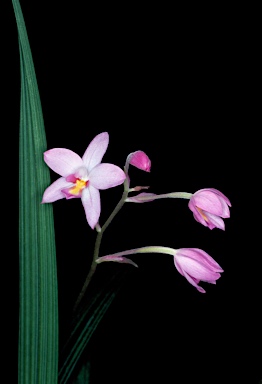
85	324
38	318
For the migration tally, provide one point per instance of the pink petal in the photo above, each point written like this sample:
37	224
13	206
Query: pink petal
194	283
211	221
196	269
210	202
200	256
92	206
140	160
197	215
190	279
218	193
105	176
53	192
62	161
215	221
180	270
96	150
213	201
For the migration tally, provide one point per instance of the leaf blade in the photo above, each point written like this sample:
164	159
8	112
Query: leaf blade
38	303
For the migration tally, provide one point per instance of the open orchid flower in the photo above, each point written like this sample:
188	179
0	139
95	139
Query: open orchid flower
83	177
193	263
209	207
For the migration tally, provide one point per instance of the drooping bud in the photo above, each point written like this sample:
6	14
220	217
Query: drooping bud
140	160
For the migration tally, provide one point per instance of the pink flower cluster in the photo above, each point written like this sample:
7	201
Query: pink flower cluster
84	177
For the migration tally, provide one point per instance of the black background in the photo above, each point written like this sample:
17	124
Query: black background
177	85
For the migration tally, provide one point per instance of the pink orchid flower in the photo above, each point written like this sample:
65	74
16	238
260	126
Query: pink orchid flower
82	177
193	263
209	206
196	265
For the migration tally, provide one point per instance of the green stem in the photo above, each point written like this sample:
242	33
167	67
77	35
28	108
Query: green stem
175	195
172	195
148	249
97	245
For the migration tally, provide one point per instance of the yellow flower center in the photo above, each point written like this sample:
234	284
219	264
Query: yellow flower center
79	185
202	213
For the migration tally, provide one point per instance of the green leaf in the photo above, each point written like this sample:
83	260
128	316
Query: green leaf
38	311
73	368
84	374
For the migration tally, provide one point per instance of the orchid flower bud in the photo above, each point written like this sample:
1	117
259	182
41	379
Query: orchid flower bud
209	206
140	160
193	263
196	265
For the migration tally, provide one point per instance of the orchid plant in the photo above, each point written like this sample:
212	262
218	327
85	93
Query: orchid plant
83	178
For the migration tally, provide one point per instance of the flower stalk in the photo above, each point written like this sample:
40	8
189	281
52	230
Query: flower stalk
145	197
100	232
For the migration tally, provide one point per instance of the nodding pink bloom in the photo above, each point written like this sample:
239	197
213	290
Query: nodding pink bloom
140	160
83	177
209	207
193	263
196	265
